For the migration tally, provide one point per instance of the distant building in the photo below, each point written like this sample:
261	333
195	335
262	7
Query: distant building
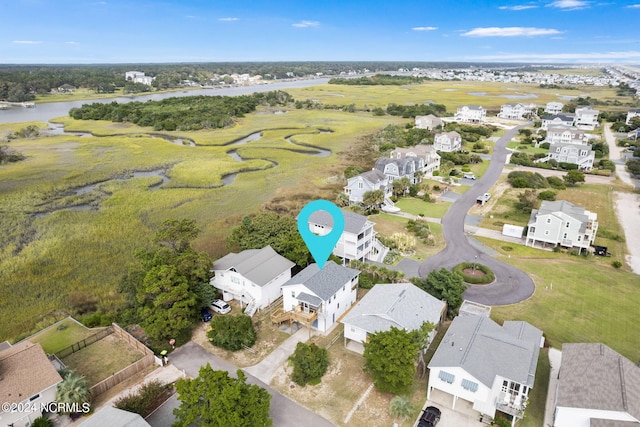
517	111
66	88
471	114
138	77
630	115
427	157
428	122
553	107
557	134
398	168
586	118
566	119
448	141
561	223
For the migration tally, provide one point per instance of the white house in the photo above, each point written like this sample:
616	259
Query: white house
517	111
428	122
28	379
491	366
358	240
427	158
471	114
561	134
447	141
399	305
398	168
253	276
553	107
138	77
596	387
322	294
630	115
372	180
567	119
577	154
562	223
109	416
586	118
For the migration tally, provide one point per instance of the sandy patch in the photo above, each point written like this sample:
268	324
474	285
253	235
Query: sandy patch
628	211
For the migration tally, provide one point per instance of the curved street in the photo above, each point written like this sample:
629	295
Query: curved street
511	285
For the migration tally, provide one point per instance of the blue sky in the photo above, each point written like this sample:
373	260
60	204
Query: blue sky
115	31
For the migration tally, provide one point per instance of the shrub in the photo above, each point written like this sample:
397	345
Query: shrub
556	183
545	145
42	422
310	363
616	264
488	274
547	195
391	257
145	400
232	332
522	179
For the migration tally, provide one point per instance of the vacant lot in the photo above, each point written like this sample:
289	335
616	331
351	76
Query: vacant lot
102	358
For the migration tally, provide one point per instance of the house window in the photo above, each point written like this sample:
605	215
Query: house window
360	185
338	305
546	232
564	236
446	377
293	294
470	385
579	238
548	220
34	397
567	226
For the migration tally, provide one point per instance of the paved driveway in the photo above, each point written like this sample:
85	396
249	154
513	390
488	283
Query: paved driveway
284	412
511	285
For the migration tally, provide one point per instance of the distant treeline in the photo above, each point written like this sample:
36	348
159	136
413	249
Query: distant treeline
188	113
378	79
408	111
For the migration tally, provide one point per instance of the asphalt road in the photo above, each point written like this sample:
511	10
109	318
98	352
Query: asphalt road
511	285
284	411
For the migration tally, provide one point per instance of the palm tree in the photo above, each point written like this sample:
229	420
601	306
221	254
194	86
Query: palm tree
373	199
400	407
74	388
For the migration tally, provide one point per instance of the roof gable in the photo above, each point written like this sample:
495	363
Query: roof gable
326	282
260	266
353	223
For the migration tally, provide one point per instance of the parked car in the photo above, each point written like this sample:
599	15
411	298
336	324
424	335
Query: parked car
429	417
220	307
206	314
469	176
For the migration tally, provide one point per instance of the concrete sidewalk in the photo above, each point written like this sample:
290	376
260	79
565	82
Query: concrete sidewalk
555	357
266	369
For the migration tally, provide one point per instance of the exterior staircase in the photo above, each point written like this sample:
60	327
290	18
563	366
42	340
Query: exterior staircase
252	306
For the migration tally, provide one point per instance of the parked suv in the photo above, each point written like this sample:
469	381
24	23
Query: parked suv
429	417
220	307
469	176
205	314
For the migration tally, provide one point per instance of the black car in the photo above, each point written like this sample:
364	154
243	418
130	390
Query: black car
206	315
429	417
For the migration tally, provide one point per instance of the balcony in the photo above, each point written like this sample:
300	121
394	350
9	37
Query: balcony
568	243
512	404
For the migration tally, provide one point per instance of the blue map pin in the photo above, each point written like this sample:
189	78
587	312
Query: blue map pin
320	246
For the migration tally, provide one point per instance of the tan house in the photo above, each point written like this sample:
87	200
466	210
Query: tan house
428	122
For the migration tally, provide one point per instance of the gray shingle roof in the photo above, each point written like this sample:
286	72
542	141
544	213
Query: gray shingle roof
596	377
599	422
325	282
114	417
373	176
258	265
568	208
401	305
564	117
353	222
485	349
404	164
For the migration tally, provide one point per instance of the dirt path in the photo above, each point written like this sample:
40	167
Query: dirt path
628	210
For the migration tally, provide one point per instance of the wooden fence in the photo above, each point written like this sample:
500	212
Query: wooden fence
85	342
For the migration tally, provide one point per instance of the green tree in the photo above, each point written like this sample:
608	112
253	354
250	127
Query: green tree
342	200
400	407
633	166
389	358
74	388
42	422
232	332
215	399
373	199
310	363
573	177
177	234
527	201
443	284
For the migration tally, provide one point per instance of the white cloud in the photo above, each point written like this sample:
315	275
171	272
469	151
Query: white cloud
509	32
633	6
26	42
518	7
228	19
72	43
306	24
559	56
569	4
424	28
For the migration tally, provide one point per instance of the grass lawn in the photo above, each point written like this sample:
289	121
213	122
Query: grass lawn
102	359
576	299
419	207
534	414
61	335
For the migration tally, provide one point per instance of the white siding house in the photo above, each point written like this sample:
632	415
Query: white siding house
562	223
489	365
567	119
517	111
565	135
553	107
367	181
253	276
596	387
577	154
471	114
328	292
358	240
399	305
586	118
426	157
448	141
631	114
27	377
428	122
